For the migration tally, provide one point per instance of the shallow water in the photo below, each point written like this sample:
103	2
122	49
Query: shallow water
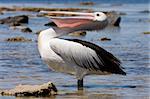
20	63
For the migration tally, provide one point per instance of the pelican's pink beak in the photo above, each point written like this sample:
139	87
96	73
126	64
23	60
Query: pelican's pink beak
77	19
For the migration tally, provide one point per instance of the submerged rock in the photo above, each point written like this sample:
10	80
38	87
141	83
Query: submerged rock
145	11
26	29
15	21
105	39
146	32
14	24
80	33
87	3
18	39
50	24
46	89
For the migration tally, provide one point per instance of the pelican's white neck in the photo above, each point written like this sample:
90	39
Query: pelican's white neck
48	33
43	40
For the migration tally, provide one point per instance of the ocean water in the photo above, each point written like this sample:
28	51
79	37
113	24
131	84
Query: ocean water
74	1
20	62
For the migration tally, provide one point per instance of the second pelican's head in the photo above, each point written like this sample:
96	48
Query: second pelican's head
79	20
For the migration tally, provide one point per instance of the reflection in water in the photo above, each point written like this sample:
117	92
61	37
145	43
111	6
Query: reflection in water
76	95
101	86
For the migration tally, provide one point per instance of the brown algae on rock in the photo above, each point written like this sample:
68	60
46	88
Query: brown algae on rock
146	32
105	39
18	39
26	29
46	89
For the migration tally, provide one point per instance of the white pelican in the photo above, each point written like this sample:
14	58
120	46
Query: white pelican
74	56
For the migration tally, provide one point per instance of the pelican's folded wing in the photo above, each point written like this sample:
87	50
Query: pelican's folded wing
86	55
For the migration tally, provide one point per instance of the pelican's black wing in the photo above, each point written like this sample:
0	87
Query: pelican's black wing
87	55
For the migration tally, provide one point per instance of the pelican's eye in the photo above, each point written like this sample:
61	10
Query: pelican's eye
97	14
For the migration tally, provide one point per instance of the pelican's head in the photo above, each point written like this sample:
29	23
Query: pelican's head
79	20
99	16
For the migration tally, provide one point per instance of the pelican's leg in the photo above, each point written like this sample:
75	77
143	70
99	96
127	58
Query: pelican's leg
80	84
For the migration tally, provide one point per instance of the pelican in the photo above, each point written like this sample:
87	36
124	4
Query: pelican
74	56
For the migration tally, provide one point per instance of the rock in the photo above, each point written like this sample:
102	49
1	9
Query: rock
87	3
105	39
15	21
46	89
146	32
50	24
145	11
26	29
80	33
18	39
14	24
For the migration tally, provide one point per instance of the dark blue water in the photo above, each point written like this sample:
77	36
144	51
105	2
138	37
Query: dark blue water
74	1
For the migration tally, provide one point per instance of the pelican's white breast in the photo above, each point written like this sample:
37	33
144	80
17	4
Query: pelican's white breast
54	61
